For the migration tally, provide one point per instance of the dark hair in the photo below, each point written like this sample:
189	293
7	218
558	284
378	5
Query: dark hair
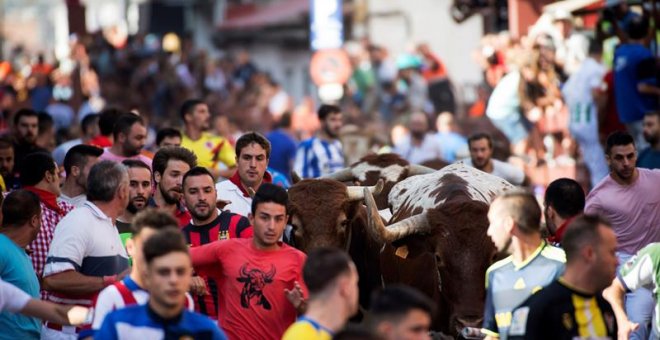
565	196
154	219
394	302
46	122
479	136
34	167
24	113
252	137
19	207
167	133
162	243
77	156
582	230
135	163
5	143
323	266
164	155
618	138
269	192
88	121
124	124
104	179
325	110
188	107
523	208
638	27
197	171
107	120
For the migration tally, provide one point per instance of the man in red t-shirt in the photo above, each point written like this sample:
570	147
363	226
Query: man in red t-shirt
260	285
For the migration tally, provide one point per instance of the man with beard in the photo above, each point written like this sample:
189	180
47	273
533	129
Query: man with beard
419	145
630	199
481	153
515	219
252	155
9	181
26	129
129	135
77	163
213	152
323	154
208	224
649	158
169	166
139	193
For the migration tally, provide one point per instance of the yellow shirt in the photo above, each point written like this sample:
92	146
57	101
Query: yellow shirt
304	330
211	150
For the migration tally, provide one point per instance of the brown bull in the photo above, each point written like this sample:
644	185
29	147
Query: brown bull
327	213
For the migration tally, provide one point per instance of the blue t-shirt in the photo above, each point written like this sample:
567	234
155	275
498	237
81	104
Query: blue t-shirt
282	151
16	268
649	159
631	104
141	322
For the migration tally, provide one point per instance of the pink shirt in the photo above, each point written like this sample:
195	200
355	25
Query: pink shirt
633	210
109	156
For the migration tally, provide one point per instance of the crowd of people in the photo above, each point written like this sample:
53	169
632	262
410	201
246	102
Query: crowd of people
145	190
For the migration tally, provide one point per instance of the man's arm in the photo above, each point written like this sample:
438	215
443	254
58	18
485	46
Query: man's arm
75	283
614	294
64	315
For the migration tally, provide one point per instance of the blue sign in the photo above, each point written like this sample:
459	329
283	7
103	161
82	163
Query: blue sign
326	24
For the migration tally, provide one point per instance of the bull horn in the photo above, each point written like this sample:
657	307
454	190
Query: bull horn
343	175
414	169
378	230
355	193
295	178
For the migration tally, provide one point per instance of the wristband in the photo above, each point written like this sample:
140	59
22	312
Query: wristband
108	280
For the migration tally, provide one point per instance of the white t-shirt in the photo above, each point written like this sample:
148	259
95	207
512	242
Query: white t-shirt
12	299
428	150
503	170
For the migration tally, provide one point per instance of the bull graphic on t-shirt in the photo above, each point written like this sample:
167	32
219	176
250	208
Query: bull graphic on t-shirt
254	281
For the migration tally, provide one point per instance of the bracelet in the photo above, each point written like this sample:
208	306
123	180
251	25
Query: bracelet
108	280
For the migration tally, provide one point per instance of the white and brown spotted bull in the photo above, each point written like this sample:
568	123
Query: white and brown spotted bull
436	239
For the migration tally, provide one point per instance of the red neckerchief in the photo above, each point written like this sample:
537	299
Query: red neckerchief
559	234
237	181
48	198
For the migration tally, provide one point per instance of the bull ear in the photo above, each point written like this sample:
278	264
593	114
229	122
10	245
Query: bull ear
295	178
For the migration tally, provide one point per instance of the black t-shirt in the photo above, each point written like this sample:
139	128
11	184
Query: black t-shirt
559	312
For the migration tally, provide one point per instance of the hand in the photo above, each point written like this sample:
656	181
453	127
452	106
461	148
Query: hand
295	295
198	286
625	328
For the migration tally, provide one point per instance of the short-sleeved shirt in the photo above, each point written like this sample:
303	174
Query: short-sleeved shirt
107	155
503	170
643	270
86	241
211	150
561	312
316	157
308	329
226	226
16	269
251	284
649	159
633	210
12	299
141	322
508	284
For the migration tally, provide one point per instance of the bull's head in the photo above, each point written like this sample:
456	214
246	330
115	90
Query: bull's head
453	237
322	211
390	168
